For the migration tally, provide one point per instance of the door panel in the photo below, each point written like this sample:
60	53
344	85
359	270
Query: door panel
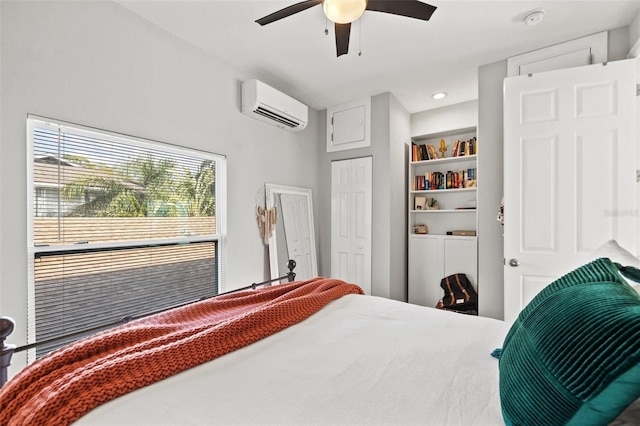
569	163
596	192
461	256
426	260
539	174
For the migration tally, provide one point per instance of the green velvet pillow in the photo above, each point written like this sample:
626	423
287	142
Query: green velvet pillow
573	354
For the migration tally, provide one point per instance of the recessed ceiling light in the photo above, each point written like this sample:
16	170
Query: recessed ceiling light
533	17
439	95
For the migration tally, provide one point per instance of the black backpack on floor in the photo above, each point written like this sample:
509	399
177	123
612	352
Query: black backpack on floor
459	294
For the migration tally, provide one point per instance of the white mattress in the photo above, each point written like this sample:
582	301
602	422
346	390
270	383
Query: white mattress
360	360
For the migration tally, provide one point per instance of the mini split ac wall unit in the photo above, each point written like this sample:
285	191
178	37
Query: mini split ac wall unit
267	104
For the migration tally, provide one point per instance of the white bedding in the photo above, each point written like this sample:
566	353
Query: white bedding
360	360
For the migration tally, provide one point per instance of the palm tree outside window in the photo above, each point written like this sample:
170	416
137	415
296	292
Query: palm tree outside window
121	226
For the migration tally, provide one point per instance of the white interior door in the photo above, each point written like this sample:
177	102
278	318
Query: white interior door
351	210
569	163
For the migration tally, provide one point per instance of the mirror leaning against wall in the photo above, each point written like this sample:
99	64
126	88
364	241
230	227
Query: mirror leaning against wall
293	237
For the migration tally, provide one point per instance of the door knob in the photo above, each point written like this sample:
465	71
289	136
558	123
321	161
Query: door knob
514	262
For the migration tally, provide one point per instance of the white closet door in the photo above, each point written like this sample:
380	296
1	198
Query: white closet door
351	211
569	162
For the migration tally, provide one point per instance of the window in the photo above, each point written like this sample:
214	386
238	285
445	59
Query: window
119	226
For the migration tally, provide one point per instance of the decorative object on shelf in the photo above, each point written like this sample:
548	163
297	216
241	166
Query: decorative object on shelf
432	204
419	203
420	228
443	148
471	183
463	233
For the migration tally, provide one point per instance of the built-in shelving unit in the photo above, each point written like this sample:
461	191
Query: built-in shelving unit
453	182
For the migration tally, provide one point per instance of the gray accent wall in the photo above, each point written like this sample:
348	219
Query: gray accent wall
490	168
389	144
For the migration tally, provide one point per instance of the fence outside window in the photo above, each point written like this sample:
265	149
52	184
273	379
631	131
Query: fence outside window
118	226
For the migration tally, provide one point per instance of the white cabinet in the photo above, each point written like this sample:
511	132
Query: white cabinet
433	257
450	243
349	125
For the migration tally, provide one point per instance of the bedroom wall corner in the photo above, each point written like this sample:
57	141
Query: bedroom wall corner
618	43
490	164
399	144
388	228
634	37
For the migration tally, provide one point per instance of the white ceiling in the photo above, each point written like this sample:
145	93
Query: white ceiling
410	58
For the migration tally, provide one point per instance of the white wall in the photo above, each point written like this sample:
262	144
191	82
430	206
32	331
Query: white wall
97	64
399	149
438	120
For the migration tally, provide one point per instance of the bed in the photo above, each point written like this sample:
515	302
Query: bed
357	359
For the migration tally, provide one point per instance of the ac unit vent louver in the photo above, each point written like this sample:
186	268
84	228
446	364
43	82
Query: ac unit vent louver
273	116
271	106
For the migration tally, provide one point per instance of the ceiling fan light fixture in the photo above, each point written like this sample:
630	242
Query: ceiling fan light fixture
344	11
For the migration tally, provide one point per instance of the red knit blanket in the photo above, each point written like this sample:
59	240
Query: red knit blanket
66	384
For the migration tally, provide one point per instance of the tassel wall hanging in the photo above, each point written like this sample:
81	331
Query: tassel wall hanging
265	217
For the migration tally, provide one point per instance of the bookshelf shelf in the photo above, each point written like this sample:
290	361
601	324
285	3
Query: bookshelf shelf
468	211
443	191
469	238
463	159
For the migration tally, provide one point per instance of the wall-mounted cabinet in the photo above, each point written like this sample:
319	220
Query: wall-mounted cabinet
349	125
442	223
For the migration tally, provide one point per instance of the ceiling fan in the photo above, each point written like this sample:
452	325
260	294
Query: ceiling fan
344	12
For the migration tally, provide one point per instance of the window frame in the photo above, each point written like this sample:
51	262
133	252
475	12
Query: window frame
34	121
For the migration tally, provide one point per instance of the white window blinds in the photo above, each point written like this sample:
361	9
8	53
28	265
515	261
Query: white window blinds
119	227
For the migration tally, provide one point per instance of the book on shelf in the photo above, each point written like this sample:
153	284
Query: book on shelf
421	152
456	146
465	233
433	153
427	151
463	178
464	148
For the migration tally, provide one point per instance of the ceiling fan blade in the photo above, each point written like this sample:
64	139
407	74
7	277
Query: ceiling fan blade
409	8
288	11
343	31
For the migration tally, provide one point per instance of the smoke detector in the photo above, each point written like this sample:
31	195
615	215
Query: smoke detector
533	17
